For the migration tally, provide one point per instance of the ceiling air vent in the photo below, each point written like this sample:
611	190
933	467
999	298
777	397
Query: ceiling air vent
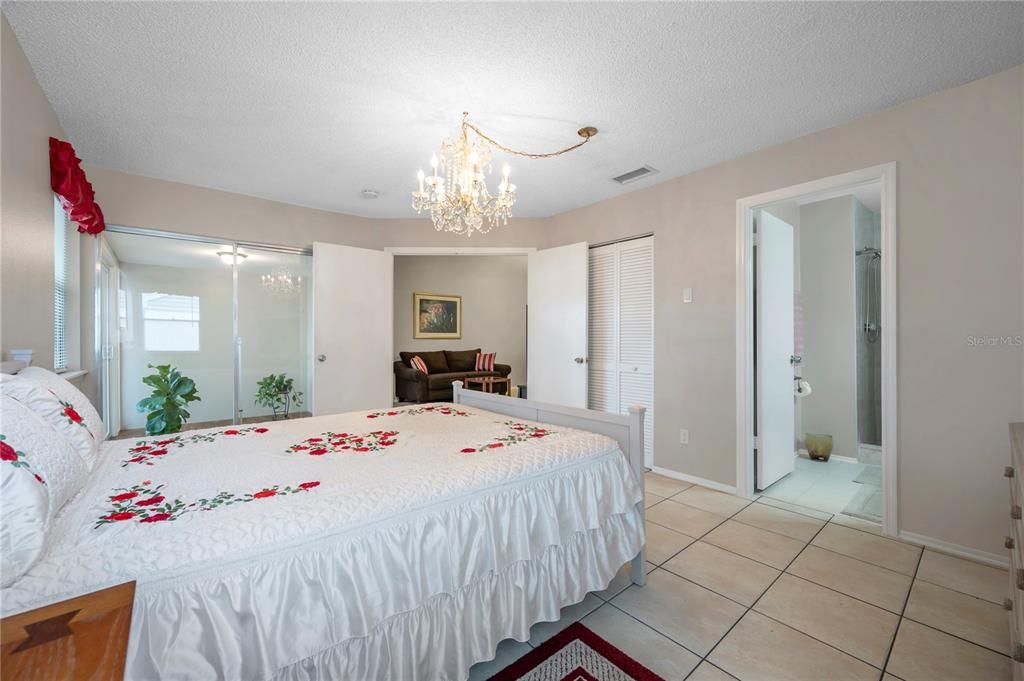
634	175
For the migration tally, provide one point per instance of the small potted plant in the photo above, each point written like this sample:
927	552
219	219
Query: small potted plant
165	408
277	392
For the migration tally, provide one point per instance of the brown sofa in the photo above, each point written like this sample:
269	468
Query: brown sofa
445	366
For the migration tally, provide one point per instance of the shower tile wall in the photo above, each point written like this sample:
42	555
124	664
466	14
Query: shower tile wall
867	233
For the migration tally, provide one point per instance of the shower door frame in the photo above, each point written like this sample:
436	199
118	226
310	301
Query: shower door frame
884	175
234	245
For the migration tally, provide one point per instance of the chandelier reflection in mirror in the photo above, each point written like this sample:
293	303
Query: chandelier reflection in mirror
456	192
281	282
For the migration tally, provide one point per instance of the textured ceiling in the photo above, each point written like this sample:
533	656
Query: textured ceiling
309	103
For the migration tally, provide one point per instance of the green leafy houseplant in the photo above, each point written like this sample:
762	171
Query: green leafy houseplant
165	408
278	393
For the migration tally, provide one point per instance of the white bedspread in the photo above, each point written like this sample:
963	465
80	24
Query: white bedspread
329	546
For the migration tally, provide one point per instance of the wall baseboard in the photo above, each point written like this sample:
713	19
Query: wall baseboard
993	559
711	484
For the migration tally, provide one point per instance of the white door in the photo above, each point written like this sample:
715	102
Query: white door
556	339
775	405
621	323
353	316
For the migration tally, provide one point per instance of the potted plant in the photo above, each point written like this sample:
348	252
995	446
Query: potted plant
277	392
165	408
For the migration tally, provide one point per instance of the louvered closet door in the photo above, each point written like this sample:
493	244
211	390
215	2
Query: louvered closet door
622	331
603	360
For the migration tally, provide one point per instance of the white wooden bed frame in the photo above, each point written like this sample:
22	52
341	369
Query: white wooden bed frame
627	430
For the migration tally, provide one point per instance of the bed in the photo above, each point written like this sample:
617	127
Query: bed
403	543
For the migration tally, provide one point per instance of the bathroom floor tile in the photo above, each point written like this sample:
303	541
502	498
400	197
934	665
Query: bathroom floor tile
663	486
829	495
855	627
965	576
660	654
792	486
663	543
761	649
925	654
711	500
794	525
763	546
887	553
974	619
876	585
685	612
683	518
728	574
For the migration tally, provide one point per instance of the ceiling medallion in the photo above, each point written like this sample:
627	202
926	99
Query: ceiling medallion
456	191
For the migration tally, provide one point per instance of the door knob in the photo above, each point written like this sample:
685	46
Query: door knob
321	358
578	360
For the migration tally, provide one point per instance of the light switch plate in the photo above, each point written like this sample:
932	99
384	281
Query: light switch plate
684	436
687	295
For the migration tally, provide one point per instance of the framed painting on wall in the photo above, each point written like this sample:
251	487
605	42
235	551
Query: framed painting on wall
436	316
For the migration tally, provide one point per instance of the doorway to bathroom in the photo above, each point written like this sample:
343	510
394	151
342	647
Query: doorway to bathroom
816	334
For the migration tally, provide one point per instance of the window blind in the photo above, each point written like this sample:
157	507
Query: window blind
60	287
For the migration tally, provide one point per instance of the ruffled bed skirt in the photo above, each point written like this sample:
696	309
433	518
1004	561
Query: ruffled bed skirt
446	636
423	596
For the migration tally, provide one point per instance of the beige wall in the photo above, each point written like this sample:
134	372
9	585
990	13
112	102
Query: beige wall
26	208
960	273
493	290
137	201
829	296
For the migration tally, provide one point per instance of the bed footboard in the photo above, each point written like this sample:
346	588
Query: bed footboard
627	430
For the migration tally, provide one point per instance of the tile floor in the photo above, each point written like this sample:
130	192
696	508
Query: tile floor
772	591
832	486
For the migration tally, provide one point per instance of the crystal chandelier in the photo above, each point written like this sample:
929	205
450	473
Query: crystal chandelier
456	192
280	281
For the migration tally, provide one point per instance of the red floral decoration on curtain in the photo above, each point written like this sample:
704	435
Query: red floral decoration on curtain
75	193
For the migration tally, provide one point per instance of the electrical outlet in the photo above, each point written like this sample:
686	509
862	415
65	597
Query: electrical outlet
684	437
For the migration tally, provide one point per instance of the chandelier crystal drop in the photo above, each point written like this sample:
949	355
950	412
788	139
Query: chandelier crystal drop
456	192
282	282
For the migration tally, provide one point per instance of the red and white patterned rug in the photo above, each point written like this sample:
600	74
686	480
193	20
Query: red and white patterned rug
576	654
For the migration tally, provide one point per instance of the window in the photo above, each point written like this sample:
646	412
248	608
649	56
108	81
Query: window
61	270
170	322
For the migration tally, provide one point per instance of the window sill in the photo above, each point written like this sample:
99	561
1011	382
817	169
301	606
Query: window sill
70	375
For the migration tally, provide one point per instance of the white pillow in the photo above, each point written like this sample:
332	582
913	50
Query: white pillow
76	417
39	472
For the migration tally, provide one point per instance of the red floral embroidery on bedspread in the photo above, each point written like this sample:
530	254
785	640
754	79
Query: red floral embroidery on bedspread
17	459
145	451
145	503
518	433
349	443
416	411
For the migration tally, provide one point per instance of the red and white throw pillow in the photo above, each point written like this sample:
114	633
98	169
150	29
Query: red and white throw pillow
485	361
419	364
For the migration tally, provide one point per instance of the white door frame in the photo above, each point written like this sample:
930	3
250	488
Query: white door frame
885	174
453	250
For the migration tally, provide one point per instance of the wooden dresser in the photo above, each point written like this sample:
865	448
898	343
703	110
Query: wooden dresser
1015	544
78	639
